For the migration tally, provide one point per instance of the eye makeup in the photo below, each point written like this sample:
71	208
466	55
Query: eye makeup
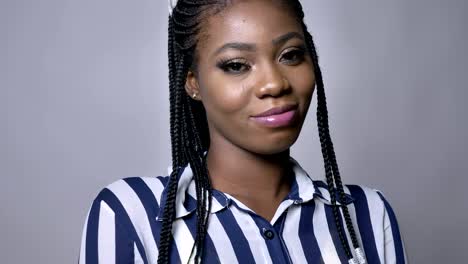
291	56
233	66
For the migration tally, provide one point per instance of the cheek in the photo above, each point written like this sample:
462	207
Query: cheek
224	96
305	84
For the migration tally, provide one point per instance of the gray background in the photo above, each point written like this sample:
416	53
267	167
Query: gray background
84	101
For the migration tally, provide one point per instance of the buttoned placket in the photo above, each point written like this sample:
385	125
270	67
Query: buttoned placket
272	231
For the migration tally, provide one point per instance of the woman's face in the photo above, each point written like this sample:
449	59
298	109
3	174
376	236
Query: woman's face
254	76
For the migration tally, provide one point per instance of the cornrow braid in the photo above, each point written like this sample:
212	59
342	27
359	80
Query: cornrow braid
190	134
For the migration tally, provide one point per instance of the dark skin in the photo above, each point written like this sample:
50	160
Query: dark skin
268	66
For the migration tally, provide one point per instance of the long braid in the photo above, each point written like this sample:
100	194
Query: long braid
322	123
172	187
339	185
189	130
172	59
202	184
334	181
176	68
333	162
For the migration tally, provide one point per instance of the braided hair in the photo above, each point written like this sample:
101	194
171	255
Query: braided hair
190	135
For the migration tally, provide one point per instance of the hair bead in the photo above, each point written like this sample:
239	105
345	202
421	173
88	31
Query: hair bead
360	255
171	5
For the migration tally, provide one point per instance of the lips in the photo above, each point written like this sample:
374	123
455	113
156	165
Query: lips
277	110
282	116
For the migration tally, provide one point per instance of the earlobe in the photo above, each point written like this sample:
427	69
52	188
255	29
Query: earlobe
191	86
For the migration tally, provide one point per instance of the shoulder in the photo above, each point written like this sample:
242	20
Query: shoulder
370	207
375	214
119	221
365	199
132	198
364	194
376	221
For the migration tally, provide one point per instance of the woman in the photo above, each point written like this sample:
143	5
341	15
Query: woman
242	75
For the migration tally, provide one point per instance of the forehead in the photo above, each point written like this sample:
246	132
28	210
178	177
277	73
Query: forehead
257	22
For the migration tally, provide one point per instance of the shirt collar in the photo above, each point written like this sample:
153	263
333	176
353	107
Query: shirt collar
303	189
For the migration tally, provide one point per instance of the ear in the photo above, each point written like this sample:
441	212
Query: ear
192	87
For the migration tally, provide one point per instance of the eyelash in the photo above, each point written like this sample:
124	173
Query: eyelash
226	65
299	53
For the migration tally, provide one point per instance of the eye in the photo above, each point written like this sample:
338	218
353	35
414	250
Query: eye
235	66
293	57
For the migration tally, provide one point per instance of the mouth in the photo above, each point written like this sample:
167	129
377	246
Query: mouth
277	117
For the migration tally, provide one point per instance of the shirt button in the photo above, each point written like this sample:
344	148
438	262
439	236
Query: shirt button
298	201
268	234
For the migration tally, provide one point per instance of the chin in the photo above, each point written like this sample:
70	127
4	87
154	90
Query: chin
273	145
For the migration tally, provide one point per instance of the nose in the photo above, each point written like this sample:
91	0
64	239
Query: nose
272	83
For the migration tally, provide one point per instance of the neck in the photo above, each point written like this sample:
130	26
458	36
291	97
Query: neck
259	181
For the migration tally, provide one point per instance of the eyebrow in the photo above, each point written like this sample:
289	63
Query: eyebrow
284	38
237	46
252	47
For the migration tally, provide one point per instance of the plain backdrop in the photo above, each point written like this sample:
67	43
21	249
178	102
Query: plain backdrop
84	102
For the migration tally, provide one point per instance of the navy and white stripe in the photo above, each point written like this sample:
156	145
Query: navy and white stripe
124	221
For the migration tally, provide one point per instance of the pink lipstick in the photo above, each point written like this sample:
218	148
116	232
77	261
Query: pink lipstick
277	117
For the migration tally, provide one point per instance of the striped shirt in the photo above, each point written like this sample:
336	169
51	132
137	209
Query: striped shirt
124	222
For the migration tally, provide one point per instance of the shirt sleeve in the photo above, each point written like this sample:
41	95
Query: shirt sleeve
394	248
106	235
